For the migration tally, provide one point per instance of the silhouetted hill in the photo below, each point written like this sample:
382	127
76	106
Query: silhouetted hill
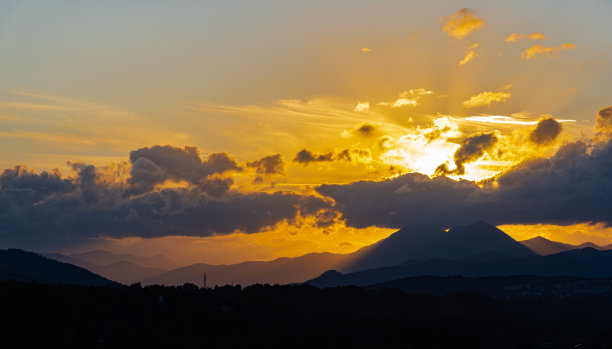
543	246
474	239
300	316
122	271
395	249
100	257
586	262
126	272
507	287
488	256
590	245
423	242
279	271
22	265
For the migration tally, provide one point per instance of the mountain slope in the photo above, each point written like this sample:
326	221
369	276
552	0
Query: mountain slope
586	262
29	266
543	246
474	239
100	257
422	242
395	249
122	271
278	271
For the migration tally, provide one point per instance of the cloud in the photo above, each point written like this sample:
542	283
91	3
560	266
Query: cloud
159	163
469	56
366	50
46	209
408	98
472	149
546	131
362	107
461	23
269	165
486	98
603	124
532	36
366	130
549	52
305	156
216	187
571	187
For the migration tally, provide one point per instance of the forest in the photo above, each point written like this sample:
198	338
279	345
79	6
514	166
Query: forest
295	316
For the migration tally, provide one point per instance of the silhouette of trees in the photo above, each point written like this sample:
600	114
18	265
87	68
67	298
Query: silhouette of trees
264	316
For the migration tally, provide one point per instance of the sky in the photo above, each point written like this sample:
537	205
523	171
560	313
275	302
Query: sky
224	131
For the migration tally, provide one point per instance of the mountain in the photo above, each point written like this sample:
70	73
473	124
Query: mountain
279	271
416	243
464	241
395	249
591	245
123	271
100	257
543	246
587	262
28	266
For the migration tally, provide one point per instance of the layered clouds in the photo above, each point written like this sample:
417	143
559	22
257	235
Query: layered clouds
573	186
168	191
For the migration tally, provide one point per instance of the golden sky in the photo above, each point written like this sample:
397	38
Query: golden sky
131	104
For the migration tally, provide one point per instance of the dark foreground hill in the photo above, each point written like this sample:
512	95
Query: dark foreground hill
28	266
61	316
586	262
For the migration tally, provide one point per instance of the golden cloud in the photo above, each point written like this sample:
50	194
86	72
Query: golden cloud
366	50
550	52
468	57
486	98
408	98
362	107
532	36
461	23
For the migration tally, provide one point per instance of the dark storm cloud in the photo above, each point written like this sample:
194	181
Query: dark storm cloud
305	156
269	165
573	186
39	185
216	187
366	130
154	165
546	131
603	123
48	210
472	149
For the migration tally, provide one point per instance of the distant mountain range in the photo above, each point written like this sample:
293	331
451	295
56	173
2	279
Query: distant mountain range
107	258
278	271
475	250
587	262
123	268
20	265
